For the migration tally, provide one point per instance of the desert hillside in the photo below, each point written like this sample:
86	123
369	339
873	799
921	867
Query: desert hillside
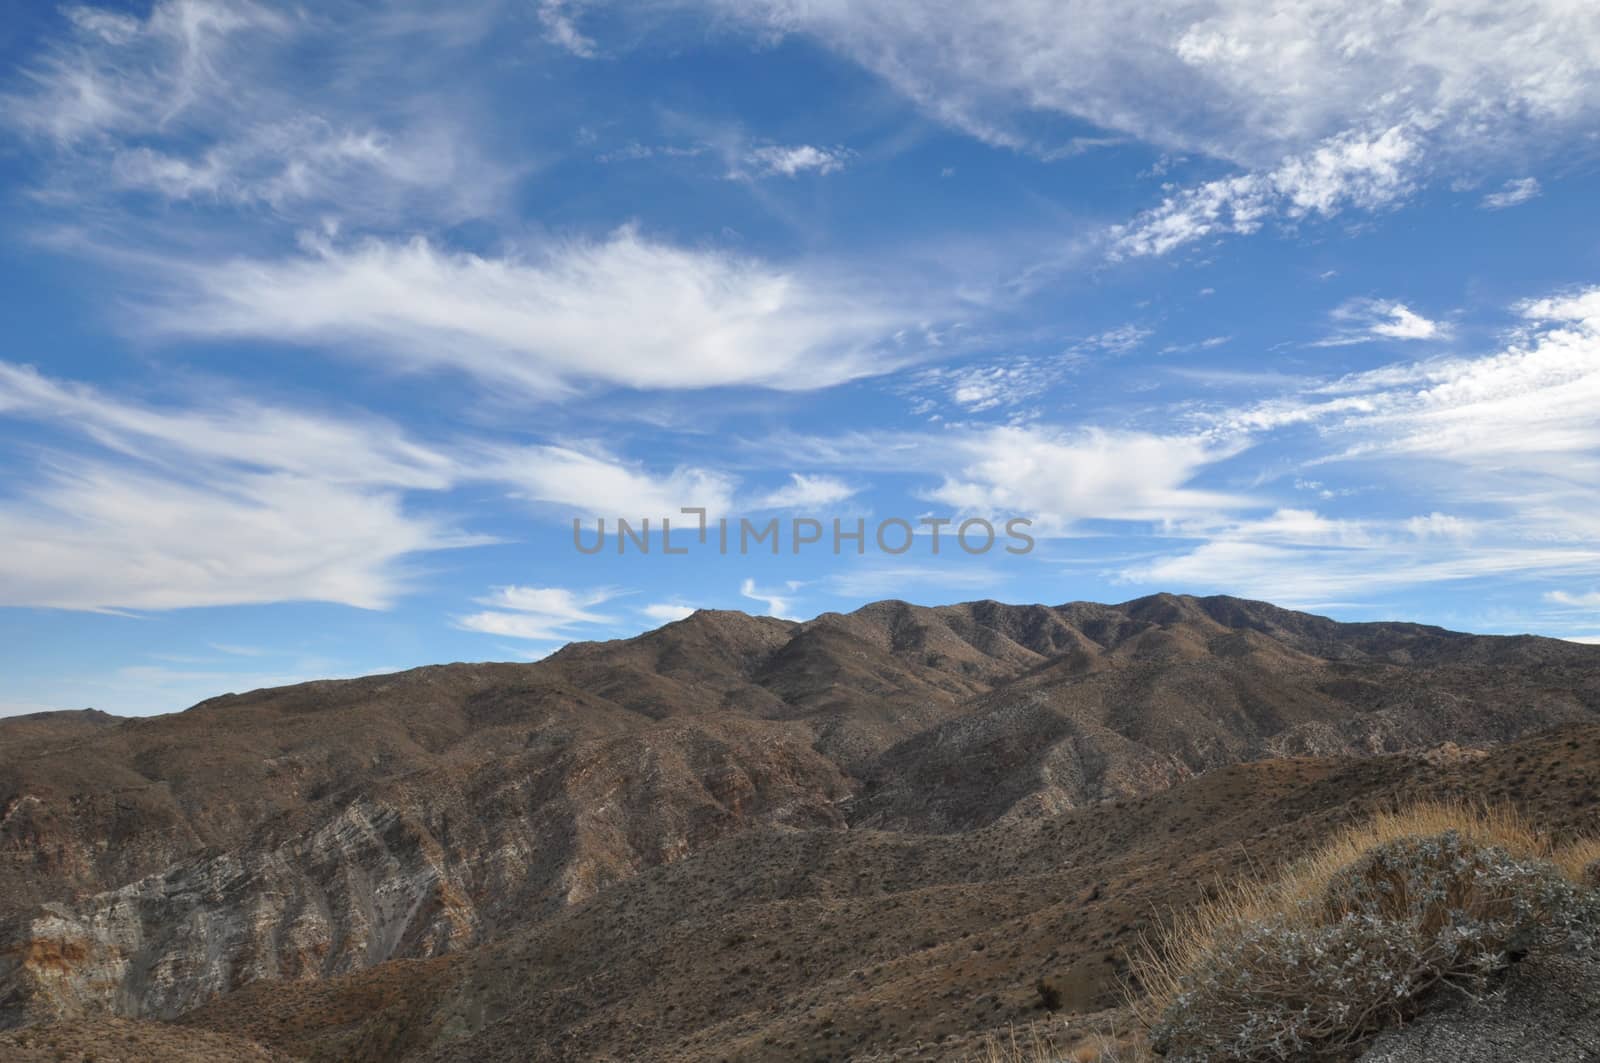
870	835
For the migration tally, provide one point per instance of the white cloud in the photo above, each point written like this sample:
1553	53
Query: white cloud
365	452
778	602
1511	436
558	603
121	74
1198	345
1360	320
1056	476
994	386
806	492
537	613
276	164
597	484
352	451
242	503
1501	453
1301	557
1526	410
235	502
110	26
1351	170
1403	323
1513	193
625	310
1217	75
1581	307
1124	339
667	612
98	536
1312	574
775	160
1060	478
561	30
1589	600
230	101
1326	106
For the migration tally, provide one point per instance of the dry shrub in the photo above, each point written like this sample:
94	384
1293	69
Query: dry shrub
1054	1041
1353	938
1034	1043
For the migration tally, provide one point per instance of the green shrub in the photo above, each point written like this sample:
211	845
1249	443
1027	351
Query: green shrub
1331	970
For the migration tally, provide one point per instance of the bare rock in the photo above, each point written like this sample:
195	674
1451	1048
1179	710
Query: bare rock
1548	1010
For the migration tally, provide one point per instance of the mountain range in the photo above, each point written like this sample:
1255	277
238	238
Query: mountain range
867	835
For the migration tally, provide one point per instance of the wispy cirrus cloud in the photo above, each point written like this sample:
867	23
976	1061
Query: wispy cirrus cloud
1504	444
559	18
221	500
806	492
1124	339
540	614
1512	193
118	73
779	602
667	612
1363	320
596	483
1196	345
232	431
239	503
1578	600
988	386
625	310
1215	76
1326	107
1060	478
1348	171
776	160
1304	559
92	536
232	102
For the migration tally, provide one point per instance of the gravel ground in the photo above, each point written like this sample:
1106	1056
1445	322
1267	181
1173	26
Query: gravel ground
1548	1010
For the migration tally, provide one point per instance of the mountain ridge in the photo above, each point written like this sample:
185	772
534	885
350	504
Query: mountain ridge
319	830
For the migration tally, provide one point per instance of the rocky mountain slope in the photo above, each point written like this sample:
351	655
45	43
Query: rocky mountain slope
828	821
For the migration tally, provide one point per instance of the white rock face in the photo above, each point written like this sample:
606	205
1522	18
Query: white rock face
360	890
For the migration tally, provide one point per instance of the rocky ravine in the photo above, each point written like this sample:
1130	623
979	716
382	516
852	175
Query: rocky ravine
149	865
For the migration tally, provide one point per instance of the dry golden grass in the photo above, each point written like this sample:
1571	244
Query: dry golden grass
1055	1041
1579	860
1191	938
1039	1042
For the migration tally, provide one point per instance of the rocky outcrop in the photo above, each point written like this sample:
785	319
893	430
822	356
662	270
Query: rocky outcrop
422	867
1548	1010
364	888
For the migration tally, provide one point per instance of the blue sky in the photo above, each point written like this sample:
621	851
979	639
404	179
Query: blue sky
324	323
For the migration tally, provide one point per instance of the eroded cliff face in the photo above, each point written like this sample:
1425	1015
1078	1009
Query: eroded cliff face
427	865
365	887
147	866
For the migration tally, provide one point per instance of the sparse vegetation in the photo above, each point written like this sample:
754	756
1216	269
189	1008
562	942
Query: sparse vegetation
1057	1041
1354	938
